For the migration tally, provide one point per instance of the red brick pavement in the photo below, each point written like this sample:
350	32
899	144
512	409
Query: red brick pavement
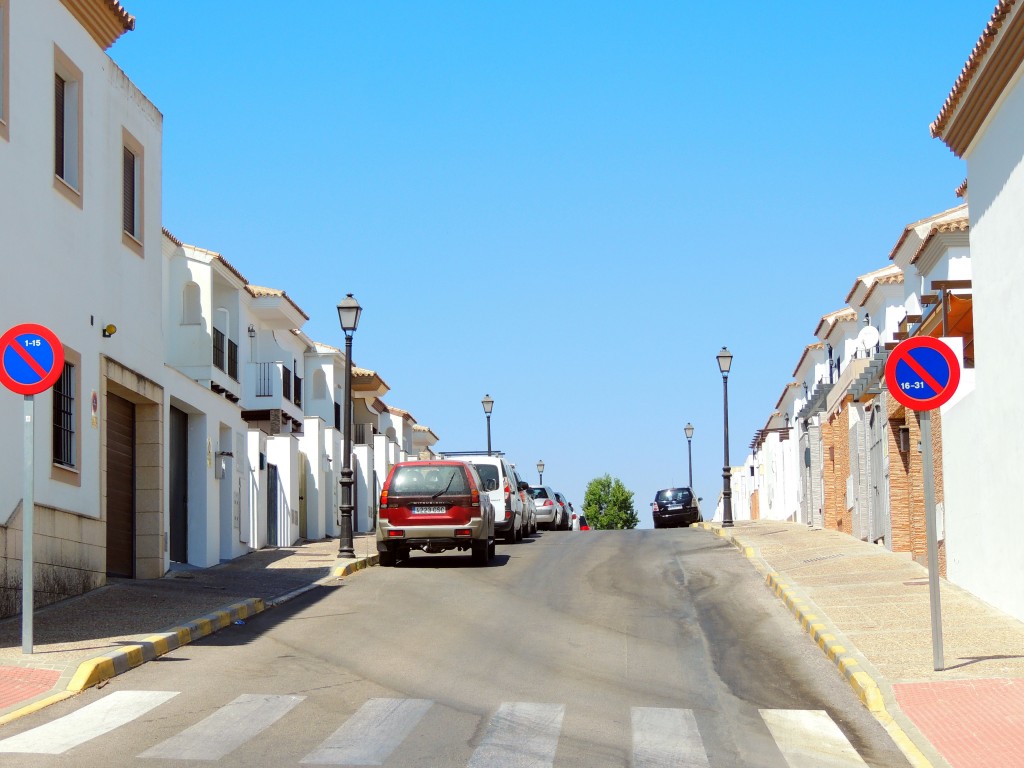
972	723
18	684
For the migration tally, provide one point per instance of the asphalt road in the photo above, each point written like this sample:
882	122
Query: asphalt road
588	649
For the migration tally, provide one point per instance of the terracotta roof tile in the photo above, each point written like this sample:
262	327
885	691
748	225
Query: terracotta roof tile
839	316
259	291
962	189
947	227
971	67
171	237
893	279
807	350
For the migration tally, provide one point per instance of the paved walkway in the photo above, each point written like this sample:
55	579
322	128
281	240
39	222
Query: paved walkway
867	608
81	641
869	611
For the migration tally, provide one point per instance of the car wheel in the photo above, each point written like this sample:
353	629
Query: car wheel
519	533
510	536
481	553
492	548
387	558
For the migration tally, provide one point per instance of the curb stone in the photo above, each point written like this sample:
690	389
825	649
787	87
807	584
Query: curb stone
863	684
98	670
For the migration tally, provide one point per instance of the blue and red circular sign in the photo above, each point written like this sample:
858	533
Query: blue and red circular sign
31	359
922	373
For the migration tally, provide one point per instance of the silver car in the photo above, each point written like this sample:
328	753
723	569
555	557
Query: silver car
549	509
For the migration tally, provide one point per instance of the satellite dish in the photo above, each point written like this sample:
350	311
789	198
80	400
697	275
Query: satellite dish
868	337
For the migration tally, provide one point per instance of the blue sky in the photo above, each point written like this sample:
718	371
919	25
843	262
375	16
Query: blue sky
568	206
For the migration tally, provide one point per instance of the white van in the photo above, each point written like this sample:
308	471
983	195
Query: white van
499	481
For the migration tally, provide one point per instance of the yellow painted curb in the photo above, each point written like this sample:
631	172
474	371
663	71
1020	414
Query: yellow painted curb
35	707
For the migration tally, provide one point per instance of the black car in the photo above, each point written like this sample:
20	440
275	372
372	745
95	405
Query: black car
674	507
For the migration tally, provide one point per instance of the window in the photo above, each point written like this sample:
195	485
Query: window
232	360
64	418
66	393
218	349
132	187
67	127
3	70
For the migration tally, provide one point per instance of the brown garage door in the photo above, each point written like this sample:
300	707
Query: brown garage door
120	486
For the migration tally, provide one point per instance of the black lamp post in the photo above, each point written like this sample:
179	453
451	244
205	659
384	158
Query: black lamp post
688	429
724	363
348	315
488	404
540	471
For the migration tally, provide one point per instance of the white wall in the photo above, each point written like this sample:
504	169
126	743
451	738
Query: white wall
43	235
982	444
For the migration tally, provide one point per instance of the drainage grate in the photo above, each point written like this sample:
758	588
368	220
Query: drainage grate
824	557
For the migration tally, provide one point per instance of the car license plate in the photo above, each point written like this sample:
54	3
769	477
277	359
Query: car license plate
429	509
675	506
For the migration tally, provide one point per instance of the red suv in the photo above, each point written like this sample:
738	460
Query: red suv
434	506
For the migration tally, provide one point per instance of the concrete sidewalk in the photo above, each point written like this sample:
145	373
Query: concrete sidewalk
84	640
869	611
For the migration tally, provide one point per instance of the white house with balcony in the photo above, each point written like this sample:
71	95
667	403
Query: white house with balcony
80	210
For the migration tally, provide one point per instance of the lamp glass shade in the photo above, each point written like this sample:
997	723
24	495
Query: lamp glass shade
348	314
724	360
488	403
540	467
688	429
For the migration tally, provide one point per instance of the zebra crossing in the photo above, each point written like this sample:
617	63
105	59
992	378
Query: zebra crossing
519	734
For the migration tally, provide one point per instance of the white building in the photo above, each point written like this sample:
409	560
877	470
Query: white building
981	122
80	155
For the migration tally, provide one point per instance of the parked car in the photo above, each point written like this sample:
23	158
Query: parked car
502	486
549	511
579	522
567	511
674	507
529	509
434	506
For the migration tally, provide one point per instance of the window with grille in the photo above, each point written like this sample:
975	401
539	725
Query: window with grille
64	418
218	349
298	392
286	383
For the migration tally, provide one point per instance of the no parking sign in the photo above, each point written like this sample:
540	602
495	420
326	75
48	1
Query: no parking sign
922	373
31	359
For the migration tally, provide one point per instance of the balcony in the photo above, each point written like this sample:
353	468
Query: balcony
273	387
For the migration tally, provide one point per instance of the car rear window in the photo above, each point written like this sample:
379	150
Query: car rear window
675	496
489	475
430	480
538	493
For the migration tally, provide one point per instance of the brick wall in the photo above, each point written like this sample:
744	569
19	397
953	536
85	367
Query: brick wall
906	484
836	437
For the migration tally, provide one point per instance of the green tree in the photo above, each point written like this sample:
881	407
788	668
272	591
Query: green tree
608	505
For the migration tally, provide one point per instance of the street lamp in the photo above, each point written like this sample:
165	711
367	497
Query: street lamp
724	363
488	404
688	429
348	315
540	471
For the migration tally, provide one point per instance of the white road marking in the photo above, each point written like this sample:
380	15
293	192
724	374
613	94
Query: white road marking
666	738
87	723
226	729
809	738
371	734
520	735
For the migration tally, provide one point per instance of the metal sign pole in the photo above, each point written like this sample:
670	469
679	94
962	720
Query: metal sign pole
925	418
28	526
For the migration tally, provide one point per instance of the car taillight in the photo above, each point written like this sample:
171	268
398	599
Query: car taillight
474	496
508	492
463	532
548	503
384	499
